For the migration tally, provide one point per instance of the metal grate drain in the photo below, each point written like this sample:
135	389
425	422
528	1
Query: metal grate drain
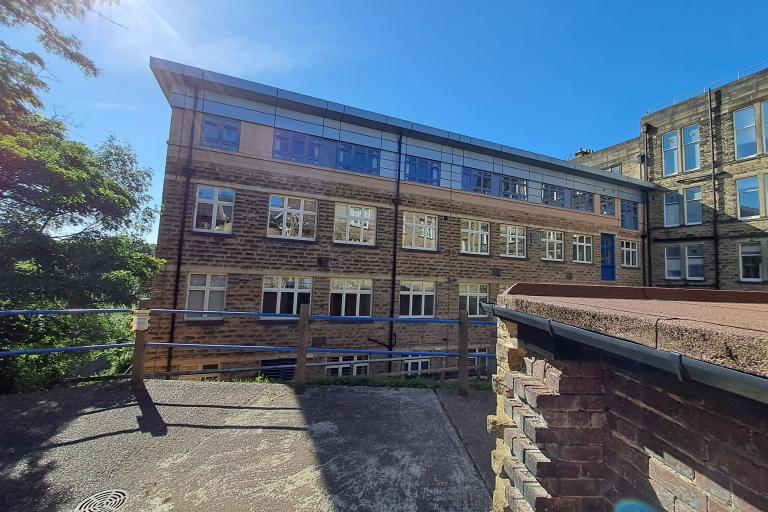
104	501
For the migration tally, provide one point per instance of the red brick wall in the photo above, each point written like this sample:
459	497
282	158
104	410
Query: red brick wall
586	434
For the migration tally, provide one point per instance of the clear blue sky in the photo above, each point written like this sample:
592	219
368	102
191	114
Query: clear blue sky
547	76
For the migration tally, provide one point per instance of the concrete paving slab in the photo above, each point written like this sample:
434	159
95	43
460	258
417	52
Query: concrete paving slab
193	446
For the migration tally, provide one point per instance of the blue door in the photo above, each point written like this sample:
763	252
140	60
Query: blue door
607	257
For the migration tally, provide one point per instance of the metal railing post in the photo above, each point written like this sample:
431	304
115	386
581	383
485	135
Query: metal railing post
140	325
463	354
300	373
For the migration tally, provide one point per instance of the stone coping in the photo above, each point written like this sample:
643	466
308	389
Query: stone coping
726	328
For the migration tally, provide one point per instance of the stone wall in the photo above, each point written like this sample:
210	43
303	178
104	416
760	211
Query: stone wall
586	433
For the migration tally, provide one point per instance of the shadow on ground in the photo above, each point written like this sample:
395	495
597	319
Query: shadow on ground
187	446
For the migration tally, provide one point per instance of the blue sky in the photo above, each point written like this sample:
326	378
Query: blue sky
548	76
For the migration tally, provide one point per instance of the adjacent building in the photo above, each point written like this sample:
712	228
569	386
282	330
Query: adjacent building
273	199
708	156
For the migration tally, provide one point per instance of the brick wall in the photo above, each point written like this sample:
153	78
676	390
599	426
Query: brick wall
586	433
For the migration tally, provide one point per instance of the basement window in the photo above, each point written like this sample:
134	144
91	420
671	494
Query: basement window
414	367
206	292
346	366
213	209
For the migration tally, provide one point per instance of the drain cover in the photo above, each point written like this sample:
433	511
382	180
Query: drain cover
104	501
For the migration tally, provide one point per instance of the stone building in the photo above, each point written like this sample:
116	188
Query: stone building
708	157
273	199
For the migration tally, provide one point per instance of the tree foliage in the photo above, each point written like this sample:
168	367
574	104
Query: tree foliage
22	76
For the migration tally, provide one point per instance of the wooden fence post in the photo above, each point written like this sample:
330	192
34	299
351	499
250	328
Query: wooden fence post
300	373
463	353
140	325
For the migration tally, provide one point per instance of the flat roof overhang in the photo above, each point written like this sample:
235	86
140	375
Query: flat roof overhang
168	72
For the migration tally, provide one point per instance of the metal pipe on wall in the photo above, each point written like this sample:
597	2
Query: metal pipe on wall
393	284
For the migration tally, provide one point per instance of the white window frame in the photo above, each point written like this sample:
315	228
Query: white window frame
478	362
736	131
357	364
281	289
687	275
357	287
350	217
207	289
473	234
666	263
423	293
418	361
553	242
697	142
630	254
764	108
741	263
667	207
675	150
302	213
738	198
584	244
477	291
430	230
216	204
514	237
685	206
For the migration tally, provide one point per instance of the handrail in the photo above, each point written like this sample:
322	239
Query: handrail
21	312
54	350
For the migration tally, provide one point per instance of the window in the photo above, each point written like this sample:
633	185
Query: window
669	148
765	127
671	209
751	257
352	157
351	297
419	231
206	292
582	249
694	262
417	298
474	180
475	235
220	133
213	209
514	188
553	195
608	205
478	361
513	239
292	217
629	254
298	147
672	264
691	148
553	245
209	376
745	133
285	295
422	170
582	201
354	224
415	366
748	197
614	169
693	205
346	365
629	214
470	297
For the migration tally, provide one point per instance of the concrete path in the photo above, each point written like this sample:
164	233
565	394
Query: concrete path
189	446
